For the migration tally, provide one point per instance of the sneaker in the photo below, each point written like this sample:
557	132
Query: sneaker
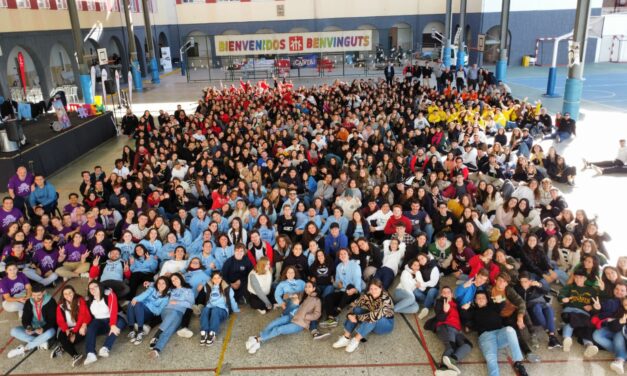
597	170
450	364
341	342
520	369
43	346
586	164
211	339
249	342
131	335
89	359
254	347
103	352
320	335
554	343
261	311
590	351
56	352
76	358
153	342
329	323
154	354
423	313
185	333
86	276
352	346
533	358
146	329
139	338
567	343
203	338
617	366
18	351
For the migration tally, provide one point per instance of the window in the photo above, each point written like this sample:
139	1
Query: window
43	4
61	4
23	3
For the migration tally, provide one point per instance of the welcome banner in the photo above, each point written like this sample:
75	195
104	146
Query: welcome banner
293	43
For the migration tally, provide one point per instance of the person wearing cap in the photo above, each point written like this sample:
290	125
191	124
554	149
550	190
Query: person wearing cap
39	322
566	128
577	304
112	273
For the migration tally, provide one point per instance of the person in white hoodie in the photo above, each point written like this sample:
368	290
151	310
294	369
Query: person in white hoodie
404	298
378	220
393	253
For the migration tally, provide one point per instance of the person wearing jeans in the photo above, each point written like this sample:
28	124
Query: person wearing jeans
611	334
39	322
146	307
296	317
181	299
542	314
577	300
219	305
373	312
103	306
427	288
494	335
405	300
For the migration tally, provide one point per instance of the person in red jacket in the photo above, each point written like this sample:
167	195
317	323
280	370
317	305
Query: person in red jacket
103	306
448	327
259	249
397	216
484	260
73	317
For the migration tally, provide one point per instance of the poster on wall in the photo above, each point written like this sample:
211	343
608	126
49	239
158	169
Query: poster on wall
293	43
63	119
166	59
103	59
22	68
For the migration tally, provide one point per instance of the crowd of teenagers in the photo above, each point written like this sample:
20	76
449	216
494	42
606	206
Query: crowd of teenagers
356	201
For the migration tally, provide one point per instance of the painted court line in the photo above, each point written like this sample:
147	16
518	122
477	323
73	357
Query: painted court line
227	339
424	343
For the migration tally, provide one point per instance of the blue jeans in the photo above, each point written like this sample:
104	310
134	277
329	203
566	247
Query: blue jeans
326	289
382	326
386	275
545	284
139	314
612	342
282	325
562	276
33	276
32	340
490	343
405	302
561	136
211	318
523	149
427	298
543	315
170	324
101	327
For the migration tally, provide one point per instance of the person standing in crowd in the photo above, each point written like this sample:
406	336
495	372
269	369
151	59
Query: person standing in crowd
388	72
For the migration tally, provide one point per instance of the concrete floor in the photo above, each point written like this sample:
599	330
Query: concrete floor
399	353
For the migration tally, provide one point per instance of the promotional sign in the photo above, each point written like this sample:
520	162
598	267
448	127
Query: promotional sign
103	78
309	61
22	69
130	89
93	81
293	43
574	55
481	42
103	59
117	83
64	120
166	59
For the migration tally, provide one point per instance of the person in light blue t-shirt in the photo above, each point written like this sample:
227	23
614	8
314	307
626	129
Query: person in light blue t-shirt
220	304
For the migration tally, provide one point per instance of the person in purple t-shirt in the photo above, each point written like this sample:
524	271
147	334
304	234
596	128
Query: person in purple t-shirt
8	214
20	186
73	204
44	263
74	259
88	230
15	289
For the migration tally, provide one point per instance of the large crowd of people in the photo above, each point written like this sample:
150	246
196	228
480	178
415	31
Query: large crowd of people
351	202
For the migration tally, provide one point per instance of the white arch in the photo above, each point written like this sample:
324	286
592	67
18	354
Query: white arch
299	30
265	30
332	28
231	32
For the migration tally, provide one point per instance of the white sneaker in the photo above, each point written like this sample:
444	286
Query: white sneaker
567	343
254	347
89	359
617	366
185	333
43	346
423	313
590	351
249	342
103	352
85	275
261	311
352	346
20	350
341	342
146	329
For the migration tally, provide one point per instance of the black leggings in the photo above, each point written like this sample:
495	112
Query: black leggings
336	301
137	280
68	346
256	303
